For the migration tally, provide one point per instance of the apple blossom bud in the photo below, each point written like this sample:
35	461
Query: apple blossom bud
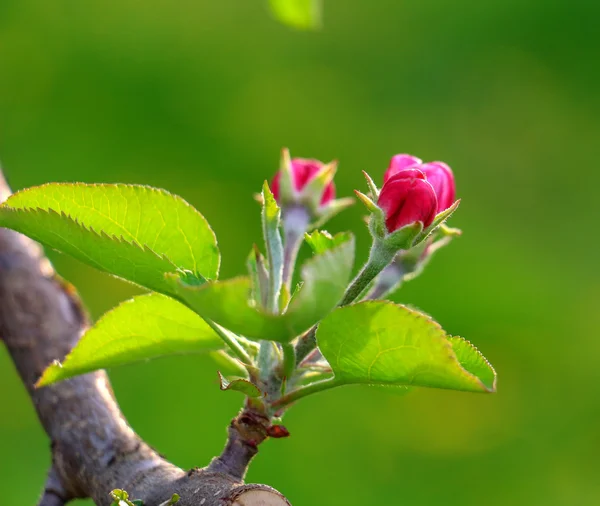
303	171
400	162
437	173
440	176
405	198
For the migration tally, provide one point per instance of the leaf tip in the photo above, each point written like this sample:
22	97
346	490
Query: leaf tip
50	375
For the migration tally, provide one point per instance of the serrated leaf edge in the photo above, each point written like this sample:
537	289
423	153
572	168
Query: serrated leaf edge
448	344
6	206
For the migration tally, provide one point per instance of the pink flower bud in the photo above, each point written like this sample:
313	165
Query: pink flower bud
303	170
406	197
437	173
441	178
400	162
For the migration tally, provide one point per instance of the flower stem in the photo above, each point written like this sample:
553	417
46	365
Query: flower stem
387	282
306	344
379	259
295	224
289	360
313	388
230	339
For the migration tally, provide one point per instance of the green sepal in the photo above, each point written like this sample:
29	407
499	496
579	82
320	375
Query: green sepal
371	206
312	193
437	221
373	190
287	188
403	238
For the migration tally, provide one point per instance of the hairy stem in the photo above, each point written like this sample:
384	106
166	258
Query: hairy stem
306	344
379	258
295	224
230	339
387	282
313	388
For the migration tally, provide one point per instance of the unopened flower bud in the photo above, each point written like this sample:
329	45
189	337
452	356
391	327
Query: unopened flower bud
400	162
438	174
406	198
303	171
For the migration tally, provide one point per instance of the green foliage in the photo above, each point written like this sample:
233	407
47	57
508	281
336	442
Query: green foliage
301	14
325	278
134	232
121	498
239	385
379	342
320	240
473	361
144	327
174	500
157	240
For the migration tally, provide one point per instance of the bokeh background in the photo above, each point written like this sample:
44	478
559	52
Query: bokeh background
199	96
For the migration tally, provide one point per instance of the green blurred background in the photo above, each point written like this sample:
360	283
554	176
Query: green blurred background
199	96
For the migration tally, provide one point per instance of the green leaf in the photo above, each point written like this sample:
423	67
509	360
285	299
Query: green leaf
271	219
471	359
134	232
121	498
147	326
302	14
174	500
240	385
325	278
382	343
320	240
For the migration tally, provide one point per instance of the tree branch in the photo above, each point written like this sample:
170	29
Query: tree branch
94	450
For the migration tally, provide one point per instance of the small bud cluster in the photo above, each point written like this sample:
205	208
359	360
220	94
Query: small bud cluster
406	214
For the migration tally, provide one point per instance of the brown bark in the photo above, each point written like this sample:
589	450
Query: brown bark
94	450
